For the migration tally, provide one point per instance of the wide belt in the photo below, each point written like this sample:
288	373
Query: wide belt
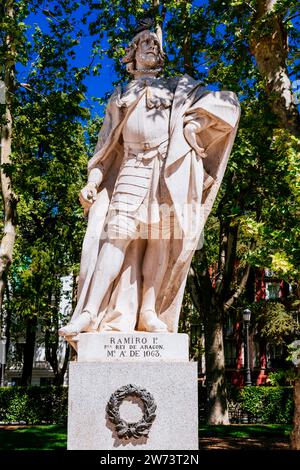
141	153
147	145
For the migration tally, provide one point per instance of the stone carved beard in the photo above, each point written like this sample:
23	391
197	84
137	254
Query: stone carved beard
147	54
147	60
144	55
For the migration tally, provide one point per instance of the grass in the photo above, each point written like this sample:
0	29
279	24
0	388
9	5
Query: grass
46	437
247	431
54	437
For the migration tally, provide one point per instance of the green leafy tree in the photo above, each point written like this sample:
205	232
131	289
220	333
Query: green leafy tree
274	323
11	37
256	212
259	45
46	163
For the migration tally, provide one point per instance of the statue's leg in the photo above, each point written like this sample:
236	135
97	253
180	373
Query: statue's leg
92	238
154	267
109	264
121	229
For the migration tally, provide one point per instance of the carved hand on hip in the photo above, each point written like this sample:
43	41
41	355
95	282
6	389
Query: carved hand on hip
190	132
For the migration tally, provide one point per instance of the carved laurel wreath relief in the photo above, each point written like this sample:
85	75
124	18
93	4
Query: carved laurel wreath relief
124	429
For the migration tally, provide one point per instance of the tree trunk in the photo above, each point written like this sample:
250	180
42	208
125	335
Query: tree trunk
6	322
187	41
29	351
212	311
51	349
9	199
295	440
270	50
217	405
59	377
269	45
213	303
52	345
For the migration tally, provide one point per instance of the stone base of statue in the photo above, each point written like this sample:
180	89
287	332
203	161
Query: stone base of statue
133	391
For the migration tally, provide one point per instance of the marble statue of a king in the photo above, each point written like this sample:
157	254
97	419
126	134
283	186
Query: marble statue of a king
158	164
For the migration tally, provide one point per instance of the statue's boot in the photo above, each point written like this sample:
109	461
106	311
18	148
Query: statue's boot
81	323
149	321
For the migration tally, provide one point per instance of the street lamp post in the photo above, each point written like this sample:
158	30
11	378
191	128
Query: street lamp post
2	359
246	318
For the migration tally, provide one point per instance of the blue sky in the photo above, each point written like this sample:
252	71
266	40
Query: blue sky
97	86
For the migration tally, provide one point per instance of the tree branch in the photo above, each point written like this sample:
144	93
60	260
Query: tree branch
204	286
65	363
158	28
290	18
239	290
250	7
222	256
230	258
193	288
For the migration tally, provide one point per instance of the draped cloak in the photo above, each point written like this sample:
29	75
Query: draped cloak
183	175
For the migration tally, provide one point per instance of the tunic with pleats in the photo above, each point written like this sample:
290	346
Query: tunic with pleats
140	189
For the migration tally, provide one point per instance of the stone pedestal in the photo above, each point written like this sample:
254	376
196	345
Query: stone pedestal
133	391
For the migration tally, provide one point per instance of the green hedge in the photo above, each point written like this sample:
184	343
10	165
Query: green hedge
34	404
256	404
269	405
49	405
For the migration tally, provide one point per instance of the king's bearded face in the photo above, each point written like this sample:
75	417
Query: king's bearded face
147	52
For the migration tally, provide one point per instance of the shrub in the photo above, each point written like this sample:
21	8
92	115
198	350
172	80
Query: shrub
262	404
268	404
34	404
283	377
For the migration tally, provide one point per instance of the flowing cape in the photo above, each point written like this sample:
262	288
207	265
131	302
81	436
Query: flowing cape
184	179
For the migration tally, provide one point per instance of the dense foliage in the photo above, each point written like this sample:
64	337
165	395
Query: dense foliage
268	404
34	405
49	405
47	168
